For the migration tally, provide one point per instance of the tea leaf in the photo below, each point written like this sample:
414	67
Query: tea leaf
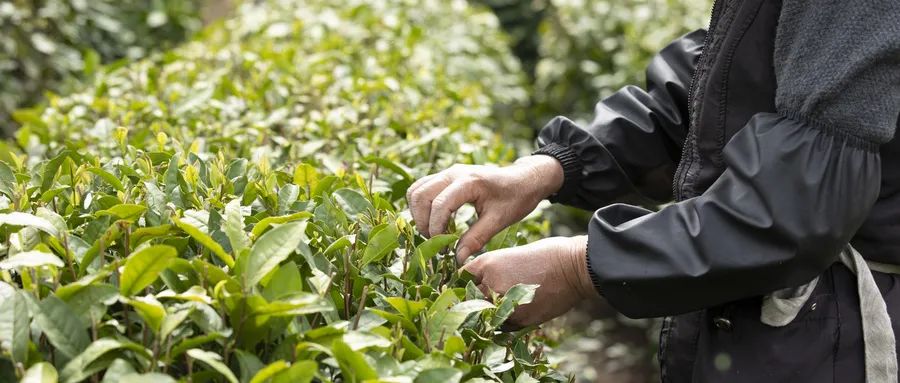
40	373
143	267
205	240
381	243
30	259
14	322
214	361
234	227
515	296
353	365
62	326
271	249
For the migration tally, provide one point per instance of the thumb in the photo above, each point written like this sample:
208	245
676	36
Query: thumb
476	237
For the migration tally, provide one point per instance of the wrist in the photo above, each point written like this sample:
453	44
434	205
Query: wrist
545	171
584	285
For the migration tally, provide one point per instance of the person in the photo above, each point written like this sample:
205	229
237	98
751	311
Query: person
778	258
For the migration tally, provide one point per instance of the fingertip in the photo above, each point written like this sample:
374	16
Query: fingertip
462	254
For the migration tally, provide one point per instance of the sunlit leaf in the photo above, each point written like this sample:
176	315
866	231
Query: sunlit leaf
271	249
214	361
143	267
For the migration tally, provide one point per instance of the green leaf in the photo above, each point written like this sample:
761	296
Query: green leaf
143	267
385	163
51	168
31	259
340	244
125	211
40	373
144	234
150	377
14	322
267	372
306	177
358	340
439	375
446	322
214	361
62	326
28	220
264	223
205	240
117	369
382	243
77	368
285	281
7	180
434	245
407	308
300	372
271	249
354	366
299	304
108	177
248	364
56	220
151	311
353	203
517	295
234	227
89	301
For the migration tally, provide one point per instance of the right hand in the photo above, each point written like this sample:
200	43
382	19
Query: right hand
501	196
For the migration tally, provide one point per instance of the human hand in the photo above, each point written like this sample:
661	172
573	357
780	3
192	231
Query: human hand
557	264
501	195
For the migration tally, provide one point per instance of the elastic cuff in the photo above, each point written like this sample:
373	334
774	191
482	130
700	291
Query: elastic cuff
590	268
572	167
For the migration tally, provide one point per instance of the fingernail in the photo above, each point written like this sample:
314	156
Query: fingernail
462	254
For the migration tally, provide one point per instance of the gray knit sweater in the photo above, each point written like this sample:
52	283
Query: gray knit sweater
850	86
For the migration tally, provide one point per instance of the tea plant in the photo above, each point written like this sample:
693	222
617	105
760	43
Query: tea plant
232	210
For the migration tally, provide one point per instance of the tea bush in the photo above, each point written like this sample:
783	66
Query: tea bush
43	43
232	210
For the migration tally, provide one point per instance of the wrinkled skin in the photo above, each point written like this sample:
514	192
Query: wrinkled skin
557	264
503	196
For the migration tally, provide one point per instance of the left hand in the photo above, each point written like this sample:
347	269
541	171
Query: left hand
556	264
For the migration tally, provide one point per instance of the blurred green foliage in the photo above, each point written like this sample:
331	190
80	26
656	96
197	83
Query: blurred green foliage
45	42
578	51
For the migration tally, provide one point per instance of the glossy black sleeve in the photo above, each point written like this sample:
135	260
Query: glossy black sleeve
792	196
634	142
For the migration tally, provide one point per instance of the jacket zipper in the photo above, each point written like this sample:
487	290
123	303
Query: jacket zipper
681	171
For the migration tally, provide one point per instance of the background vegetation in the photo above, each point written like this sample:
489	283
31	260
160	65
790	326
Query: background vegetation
43	43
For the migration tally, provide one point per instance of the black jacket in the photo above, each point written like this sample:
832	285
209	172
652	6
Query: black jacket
776	151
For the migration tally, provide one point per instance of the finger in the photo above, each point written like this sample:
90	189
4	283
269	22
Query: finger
415	185
477	236
421	198
447	202
476	268
410	192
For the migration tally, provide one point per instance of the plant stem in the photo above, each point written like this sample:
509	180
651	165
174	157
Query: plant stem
348	287
360	308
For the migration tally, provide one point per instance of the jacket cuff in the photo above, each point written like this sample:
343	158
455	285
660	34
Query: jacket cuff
572	168
595	279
